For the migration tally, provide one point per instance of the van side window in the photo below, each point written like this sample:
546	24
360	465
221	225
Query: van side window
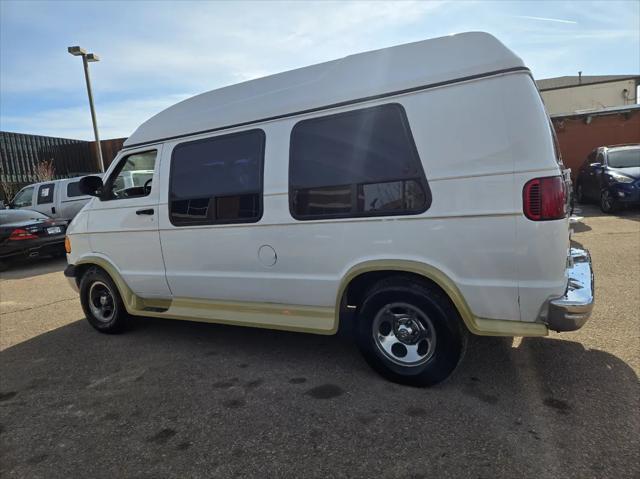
354	164
24	198
132	177
73	189
45	194
217	180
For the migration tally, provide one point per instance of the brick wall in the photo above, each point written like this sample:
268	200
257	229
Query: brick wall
578	135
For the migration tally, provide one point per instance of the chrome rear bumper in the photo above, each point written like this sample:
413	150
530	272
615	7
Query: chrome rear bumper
572	310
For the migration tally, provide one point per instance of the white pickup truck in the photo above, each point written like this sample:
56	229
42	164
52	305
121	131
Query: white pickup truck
59	199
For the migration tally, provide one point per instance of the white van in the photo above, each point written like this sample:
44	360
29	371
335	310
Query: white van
60	199
415	187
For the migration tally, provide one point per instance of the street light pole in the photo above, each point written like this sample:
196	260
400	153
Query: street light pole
86	58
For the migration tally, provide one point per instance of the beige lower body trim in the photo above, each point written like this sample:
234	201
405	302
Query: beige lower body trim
476	325
287	317
262	315
311	319
503	327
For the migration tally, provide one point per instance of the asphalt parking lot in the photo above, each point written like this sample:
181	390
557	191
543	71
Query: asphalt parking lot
181	399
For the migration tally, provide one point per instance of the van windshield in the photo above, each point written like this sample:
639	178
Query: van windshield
626	158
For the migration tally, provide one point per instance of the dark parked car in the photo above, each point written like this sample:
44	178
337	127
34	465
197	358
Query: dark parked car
611	176
27	234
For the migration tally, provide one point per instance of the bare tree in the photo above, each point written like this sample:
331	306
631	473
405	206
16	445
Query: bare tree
7	190
44	171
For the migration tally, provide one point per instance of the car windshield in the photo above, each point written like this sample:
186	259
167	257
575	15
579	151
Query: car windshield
624	158
15	216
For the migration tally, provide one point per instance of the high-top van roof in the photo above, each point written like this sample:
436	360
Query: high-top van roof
358	77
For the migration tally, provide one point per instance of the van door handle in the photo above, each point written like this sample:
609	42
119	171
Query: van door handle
145	212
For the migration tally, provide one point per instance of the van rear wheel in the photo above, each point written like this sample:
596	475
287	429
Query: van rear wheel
101	302
410	332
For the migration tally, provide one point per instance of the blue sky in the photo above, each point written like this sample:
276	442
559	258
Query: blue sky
154	54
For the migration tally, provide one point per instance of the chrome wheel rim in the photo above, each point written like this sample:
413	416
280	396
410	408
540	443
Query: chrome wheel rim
606	201
404	334
101	302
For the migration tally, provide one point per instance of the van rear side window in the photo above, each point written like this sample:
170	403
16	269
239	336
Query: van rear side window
217	180
354	164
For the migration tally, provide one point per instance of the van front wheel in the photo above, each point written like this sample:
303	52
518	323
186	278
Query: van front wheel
410	332
101	302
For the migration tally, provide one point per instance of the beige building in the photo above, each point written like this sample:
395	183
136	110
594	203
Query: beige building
580	93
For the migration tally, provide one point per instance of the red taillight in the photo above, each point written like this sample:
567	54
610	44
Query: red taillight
544	198
21	235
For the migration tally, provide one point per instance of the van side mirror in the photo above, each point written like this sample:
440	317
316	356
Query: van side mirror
91	185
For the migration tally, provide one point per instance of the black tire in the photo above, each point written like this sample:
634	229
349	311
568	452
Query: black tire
4	266
445	323
607	202
580	194
94	286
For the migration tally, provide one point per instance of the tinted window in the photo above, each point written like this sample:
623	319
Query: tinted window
45	194
23	198
359	163
217	180
132	177
73	189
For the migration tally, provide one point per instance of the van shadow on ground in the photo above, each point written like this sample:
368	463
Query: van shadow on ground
580	227
180	399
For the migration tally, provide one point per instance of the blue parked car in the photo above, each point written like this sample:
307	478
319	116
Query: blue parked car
611	176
